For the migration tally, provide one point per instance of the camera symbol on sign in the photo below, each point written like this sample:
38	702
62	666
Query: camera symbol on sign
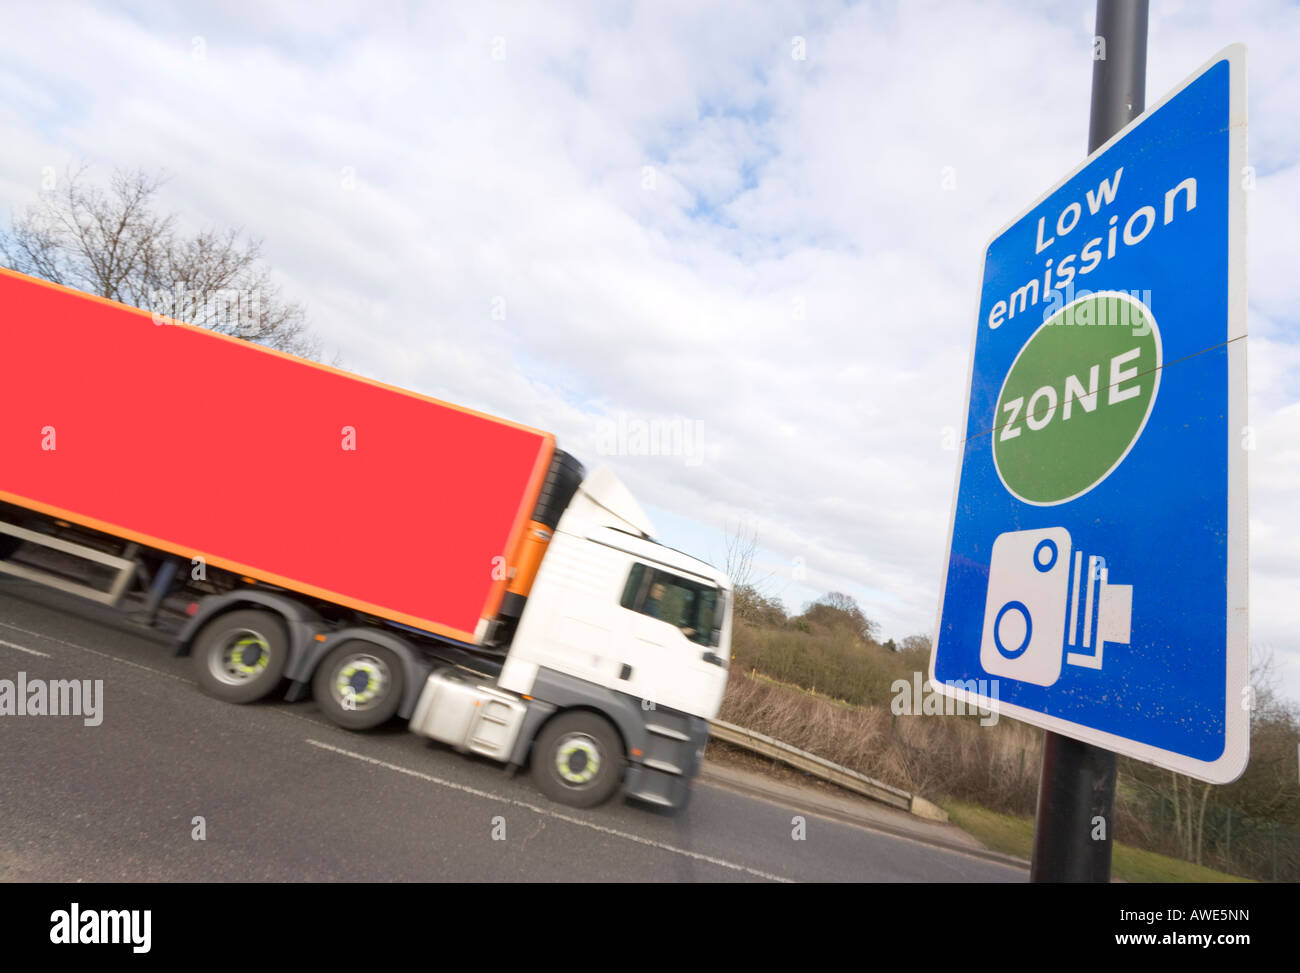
1047	605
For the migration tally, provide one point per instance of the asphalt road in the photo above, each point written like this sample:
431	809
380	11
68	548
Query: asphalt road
284	795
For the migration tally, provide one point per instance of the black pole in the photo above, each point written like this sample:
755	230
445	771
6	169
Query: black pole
1076	792
1119	68
1076	801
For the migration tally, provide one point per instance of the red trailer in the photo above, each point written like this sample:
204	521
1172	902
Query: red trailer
277	469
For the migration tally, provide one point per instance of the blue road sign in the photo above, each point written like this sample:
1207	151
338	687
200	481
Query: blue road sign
1095	583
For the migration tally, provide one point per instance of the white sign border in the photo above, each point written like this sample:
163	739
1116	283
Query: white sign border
1236	750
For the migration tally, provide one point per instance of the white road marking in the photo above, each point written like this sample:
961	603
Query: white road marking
23	648
85	648
496	797
847	820
551	814
137	665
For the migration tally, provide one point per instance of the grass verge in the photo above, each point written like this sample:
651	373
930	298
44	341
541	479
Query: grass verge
1014	835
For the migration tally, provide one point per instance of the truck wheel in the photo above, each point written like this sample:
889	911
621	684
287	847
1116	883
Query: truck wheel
240	656
578	760
359	685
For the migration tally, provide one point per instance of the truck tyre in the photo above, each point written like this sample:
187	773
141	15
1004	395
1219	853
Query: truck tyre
240	656
359	685
578	760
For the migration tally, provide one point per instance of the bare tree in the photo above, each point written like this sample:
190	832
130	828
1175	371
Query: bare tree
1264	701
115	243
836	609
742	545
750	602
1267	790
915	643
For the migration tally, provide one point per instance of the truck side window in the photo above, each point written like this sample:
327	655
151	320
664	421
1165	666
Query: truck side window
691	606
635	587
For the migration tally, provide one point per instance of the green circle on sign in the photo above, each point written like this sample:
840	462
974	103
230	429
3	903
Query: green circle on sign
1076	398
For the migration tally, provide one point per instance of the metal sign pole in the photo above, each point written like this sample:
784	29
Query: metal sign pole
1076	792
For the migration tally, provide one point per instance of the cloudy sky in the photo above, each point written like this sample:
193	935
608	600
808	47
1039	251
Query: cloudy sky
761	222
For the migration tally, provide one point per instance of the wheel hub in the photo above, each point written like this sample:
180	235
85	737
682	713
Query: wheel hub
246	656
577	758
362	679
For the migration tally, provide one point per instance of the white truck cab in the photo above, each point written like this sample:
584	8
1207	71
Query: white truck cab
612	607
618	661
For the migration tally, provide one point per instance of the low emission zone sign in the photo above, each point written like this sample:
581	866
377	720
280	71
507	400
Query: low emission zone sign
1095	583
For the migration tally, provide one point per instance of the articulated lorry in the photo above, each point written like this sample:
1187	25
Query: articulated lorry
295	526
